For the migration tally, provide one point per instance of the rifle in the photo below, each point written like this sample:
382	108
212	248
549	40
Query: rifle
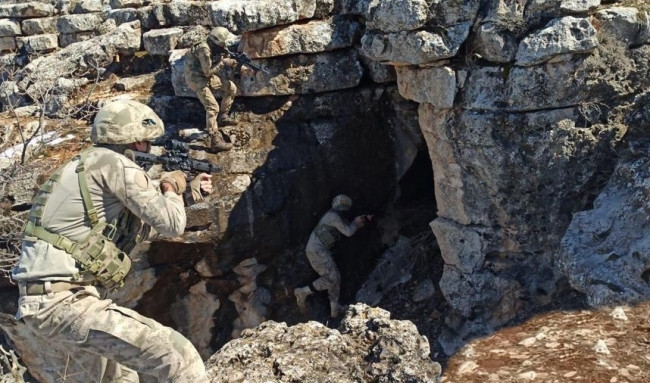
242	58
176	157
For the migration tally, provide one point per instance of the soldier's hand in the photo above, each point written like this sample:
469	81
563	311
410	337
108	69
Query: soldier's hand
201	185
176	179
360	221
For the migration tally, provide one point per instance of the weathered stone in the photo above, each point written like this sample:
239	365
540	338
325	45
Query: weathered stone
604	253
161	41
460	246
494	44
414	47
436	86
188	13
40	26
78	23
448	13
621	23
525	88
86	6
9	28
397	16
297	74
399	353
125	15
26	10
147	17
579	6
355	7
116	4
246	16
324	9
566	35
311	37
65	40
379	72
38	43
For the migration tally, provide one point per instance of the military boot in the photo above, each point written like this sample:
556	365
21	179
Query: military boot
336	309
225	119
218	144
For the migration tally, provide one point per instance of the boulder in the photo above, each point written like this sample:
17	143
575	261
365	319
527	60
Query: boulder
396	16
239	16
9	28
561	36
605	253
78	23
436	86
623	24
311	37
414	47
27	10
296	74
368	346
40	26
161	41
38	43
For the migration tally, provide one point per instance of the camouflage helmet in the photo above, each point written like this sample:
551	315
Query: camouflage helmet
124	122
341	203
222	36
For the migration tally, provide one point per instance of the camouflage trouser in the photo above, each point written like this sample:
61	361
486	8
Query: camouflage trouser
204	93
87	339
330	278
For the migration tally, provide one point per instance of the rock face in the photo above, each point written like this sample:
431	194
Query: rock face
563	346
603	251
367	347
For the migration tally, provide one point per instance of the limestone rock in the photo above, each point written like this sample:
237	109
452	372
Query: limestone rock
87	6
379	73
40	26
78	23
579	6
396	16
188	13
26	10
239	16
7	43
566	35
436	86
161	41
623	24
604	253
65	40
414	47
368	346
494	44
9	28
38	43
115	4
558	345
311	37
297	74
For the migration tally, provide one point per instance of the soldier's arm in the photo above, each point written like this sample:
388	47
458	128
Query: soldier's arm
346	228
204	55
134	188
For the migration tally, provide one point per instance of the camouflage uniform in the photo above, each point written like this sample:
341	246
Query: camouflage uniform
199	71
327	232
102	342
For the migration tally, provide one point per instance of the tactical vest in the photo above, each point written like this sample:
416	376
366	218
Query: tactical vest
327	234
102	252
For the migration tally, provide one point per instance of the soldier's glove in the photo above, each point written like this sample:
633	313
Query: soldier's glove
176	179
200	185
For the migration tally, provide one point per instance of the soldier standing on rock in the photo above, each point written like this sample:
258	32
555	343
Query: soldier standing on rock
203	61
83	223
327	232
